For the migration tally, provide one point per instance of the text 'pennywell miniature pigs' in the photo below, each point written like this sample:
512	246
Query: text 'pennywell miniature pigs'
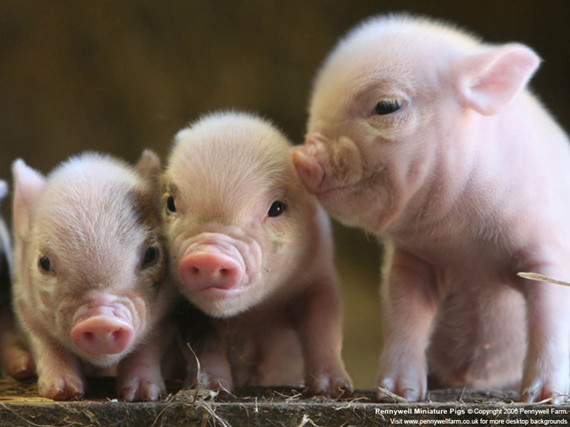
423	134
89	268
253	249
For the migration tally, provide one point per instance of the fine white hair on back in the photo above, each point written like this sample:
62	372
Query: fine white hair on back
366	34
402	23
92	165
235	120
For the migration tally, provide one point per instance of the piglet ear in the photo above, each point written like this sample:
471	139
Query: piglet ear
488	81
148	164
148	167
28	184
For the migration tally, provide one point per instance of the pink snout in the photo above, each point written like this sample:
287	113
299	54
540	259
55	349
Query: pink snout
306	161
102	335
208	269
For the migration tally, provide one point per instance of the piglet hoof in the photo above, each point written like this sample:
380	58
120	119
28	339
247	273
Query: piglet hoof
139	383
402	390
221	386
540	392
62	388
335	385
18	363
142	389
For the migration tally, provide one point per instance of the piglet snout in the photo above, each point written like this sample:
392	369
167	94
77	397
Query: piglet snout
210	269
102	335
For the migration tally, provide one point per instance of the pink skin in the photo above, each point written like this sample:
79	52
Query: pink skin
208	268
88	292
430	146
102	333
251	248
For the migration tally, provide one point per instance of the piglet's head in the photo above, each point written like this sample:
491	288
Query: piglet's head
392	110
235	211
91	254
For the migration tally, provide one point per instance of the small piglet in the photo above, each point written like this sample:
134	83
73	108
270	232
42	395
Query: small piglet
89	268
15	359
424	135
5	253
253	250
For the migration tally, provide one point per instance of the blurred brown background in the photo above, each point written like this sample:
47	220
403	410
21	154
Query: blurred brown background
119	76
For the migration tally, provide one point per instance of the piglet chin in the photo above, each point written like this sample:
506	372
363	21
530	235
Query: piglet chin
223	304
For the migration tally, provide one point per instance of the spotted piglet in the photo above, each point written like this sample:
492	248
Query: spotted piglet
89	268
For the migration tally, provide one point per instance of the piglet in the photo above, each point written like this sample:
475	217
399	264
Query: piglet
5	253
423	135
253	250
14	358
89	268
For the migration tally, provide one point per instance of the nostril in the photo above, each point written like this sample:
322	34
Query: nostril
210	269
102	335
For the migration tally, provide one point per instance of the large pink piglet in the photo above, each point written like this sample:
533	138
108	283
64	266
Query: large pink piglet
426	136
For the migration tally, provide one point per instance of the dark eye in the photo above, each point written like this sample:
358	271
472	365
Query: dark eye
170	205
387	106
45	264
277	208
150	256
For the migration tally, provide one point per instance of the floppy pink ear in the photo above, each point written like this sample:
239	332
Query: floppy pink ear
488	81
28	183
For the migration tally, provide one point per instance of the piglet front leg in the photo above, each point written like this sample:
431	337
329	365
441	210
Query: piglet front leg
319	328
59	372
139	376
15	359
409	311
214	371
546	372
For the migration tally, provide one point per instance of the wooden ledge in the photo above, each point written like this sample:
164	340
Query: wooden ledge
20	405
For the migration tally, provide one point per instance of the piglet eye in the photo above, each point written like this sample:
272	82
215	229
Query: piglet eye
45	264
277	208
170	205
150	256
387	106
